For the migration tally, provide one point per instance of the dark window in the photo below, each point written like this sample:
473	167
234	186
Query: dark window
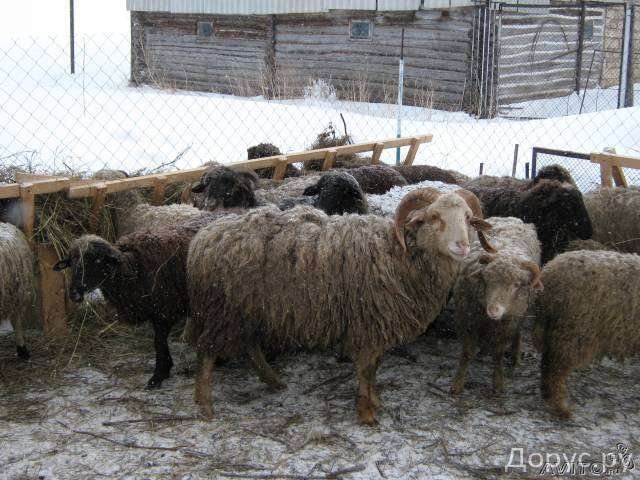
588	30
205	29
360	29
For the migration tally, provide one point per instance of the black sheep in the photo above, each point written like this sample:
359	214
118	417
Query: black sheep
223	187
263	150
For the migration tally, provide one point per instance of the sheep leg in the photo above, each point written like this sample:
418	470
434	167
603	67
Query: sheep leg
465	359
558	394
498	372
21	349
516	350
203	384
262	368
164	362
368	400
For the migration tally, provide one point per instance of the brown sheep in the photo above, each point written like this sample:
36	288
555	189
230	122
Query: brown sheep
590	308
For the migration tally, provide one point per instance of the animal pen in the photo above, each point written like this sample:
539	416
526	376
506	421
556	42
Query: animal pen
54	303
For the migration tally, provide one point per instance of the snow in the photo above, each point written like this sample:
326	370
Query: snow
385	204
94	119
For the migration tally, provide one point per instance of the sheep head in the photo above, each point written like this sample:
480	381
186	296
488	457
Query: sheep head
91	260
226	188
447	217
508	284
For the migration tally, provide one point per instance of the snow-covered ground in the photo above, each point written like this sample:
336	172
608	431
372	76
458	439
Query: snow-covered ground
84	413
94	119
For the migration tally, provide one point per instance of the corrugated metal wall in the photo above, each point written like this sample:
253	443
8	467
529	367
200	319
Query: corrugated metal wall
266	7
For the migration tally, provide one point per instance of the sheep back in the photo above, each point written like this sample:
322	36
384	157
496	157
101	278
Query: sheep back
377	179
615	215
151	216
419	173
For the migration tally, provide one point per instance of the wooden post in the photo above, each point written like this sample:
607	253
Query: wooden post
281	167
53	296
97	206
159	189
28	210
413	149
329	158
377	151
618	176
605	174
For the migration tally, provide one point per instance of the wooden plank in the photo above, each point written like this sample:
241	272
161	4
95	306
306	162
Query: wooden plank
377	151
159	189
605	175
329	158
52	292
28	205
411	154
100	192
618	176
281	167
10	190
618	160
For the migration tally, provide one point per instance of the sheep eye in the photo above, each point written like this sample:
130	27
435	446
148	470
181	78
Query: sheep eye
98	261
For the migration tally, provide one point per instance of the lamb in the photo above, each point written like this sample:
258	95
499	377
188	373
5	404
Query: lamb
556	209
615	214
142	275
335	193
590	308
548	172
419	173
17	282
493	294
263	150
367	282
377	179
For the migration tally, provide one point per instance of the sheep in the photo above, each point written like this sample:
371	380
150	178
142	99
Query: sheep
548	172
263	150
17	282
142	275
493	294
556	209
335	193
221	187
575	245
367	282
386	204
377	179
275	192
590	308
419	173
615	214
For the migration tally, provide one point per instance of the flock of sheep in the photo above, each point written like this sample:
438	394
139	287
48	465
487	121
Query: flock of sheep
311	262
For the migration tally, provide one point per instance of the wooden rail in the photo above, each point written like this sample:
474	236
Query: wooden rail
29	186
611	166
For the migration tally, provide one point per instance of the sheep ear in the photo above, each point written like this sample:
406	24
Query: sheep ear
480	224
485	259
201	185
250	176
311	190
536	282
62	264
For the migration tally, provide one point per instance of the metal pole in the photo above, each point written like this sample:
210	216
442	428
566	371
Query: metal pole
72	39
622	81
628	97
400	94
581	21
515	160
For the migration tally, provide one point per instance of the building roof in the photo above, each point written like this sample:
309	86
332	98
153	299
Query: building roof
268	7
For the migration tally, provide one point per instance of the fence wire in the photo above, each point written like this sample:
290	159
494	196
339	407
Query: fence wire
52	121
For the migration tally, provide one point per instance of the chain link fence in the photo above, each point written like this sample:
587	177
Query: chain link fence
53	121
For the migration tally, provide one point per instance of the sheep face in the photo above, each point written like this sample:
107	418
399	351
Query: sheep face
225	188
92	260
507	285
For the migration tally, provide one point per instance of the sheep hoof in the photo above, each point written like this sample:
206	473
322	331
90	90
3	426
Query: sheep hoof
23	353
154	383
207	412
563	414
366	411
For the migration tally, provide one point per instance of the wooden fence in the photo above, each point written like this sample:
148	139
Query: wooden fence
28	186
611	166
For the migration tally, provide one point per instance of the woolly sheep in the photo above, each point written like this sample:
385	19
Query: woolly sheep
222	187
549	172
575	245
419	173
590	308
367	282
17	282
142	275
492	295
615	214
263	150
377	179
335	193
275	192
556	209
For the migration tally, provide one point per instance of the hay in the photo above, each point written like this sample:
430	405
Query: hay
328	139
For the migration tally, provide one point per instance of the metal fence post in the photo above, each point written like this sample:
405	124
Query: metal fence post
580	46
72	40
628	94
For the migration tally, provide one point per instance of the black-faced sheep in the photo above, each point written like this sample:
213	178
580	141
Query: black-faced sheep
419	173
590	308
17	282
221	187
367	282
615	214
142	275
263	150
556	209
492	296
377	179
336	193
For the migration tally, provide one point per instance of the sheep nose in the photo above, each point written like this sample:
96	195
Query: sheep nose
460	248
495	311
